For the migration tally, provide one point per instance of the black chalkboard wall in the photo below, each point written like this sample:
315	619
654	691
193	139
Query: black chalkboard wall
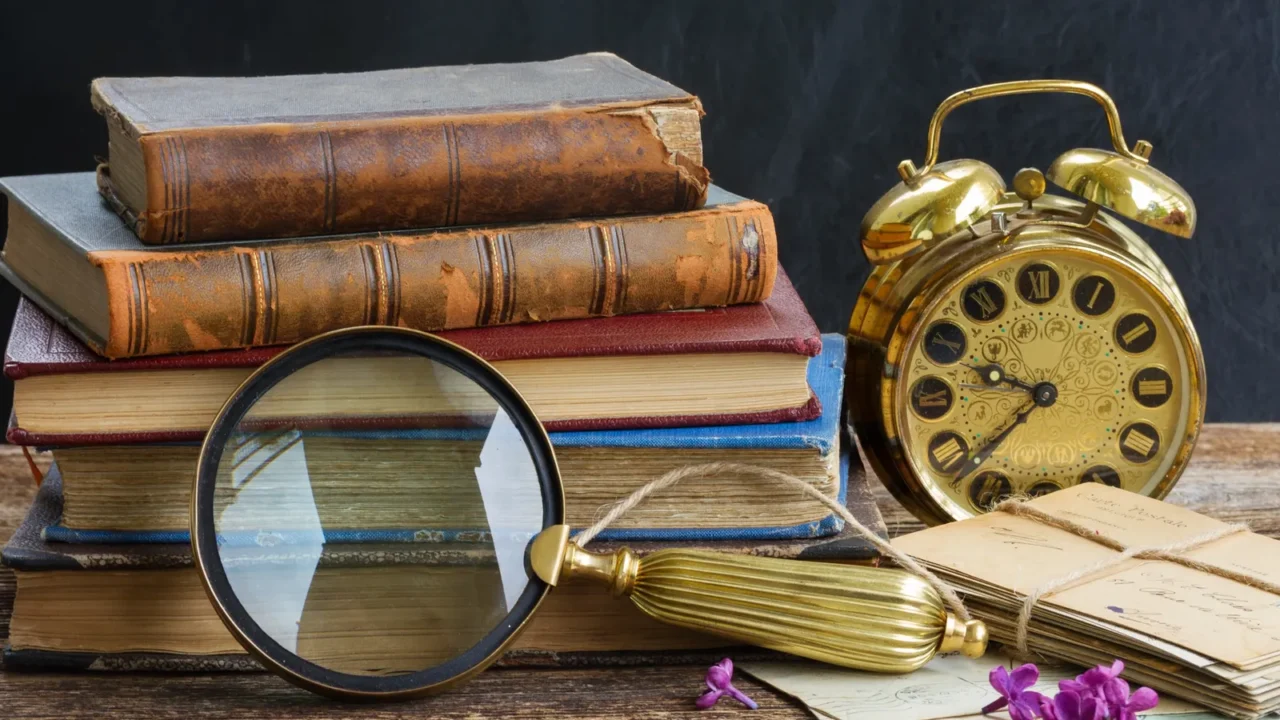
810	105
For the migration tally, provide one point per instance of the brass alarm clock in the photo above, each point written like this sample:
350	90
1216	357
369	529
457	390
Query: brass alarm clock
1018	343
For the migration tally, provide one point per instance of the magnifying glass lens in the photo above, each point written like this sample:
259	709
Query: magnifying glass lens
372	534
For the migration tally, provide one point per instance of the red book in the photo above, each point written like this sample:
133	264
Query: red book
734	365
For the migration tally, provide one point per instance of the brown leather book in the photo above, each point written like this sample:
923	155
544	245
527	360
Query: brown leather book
127	299
209	159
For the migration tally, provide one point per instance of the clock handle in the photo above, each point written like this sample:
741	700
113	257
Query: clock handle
1140	153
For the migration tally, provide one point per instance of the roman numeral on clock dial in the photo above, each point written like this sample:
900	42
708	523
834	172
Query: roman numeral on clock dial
948	451
983	301
1094	295
1104	474
1139	442
931	397
989	489
1041	489
1038	283
1135	333
945	342
1151	387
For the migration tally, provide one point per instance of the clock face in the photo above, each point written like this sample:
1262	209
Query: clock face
1040	371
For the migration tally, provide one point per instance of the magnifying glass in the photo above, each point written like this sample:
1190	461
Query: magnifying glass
390	543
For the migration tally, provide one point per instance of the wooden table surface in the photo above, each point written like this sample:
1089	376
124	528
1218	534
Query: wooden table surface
1235	476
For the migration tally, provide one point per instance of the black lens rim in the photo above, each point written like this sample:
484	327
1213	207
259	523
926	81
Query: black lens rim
204	536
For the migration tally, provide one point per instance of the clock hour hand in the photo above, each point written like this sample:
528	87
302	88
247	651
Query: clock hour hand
993	375
995	388
974	462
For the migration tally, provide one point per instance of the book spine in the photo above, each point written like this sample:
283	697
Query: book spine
290	180
248	296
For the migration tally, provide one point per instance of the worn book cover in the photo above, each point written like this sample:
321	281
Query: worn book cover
212	159
743	364
65	249
115	607
142	493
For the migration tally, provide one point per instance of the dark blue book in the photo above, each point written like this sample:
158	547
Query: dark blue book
598	467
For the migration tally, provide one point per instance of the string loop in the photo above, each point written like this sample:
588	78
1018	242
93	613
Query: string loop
949	595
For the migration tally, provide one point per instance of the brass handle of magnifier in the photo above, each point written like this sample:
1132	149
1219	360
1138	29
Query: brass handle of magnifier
1140	153
867	618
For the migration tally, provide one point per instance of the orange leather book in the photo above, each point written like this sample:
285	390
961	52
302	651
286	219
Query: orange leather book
127	299
212	159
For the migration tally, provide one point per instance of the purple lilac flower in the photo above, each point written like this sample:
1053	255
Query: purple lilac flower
1092	681
1123	706
1096	694
1023	704
1071	705
719	684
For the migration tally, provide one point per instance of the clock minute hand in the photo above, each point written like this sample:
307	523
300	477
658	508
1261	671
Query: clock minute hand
974	462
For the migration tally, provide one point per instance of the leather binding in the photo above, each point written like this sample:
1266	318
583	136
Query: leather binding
236	158
220	296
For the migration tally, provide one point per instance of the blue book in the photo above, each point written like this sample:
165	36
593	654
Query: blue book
812	444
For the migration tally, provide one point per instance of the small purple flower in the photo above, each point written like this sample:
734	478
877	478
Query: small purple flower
1023	704
720	683
1071	705
1092	682
1123	706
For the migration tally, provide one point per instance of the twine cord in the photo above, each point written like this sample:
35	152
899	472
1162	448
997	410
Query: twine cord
949	596
1170	552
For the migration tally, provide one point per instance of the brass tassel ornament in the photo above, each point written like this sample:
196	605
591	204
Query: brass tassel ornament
876	619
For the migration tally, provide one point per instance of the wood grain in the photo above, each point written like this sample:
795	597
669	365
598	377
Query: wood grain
651	693
1235	476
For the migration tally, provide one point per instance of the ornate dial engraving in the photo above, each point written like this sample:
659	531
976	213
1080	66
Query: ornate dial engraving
1069	373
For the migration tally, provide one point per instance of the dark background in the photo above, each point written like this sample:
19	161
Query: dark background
810	106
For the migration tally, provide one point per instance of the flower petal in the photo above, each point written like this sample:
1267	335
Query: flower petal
1116	692
999	679
1090	709
1029	698
1093	677
1024	676
717	677
1067	704
708	699
1144	699
1025	707
1020	713
1072	685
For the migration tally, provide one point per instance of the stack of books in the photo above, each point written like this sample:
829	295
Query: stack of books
238	215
